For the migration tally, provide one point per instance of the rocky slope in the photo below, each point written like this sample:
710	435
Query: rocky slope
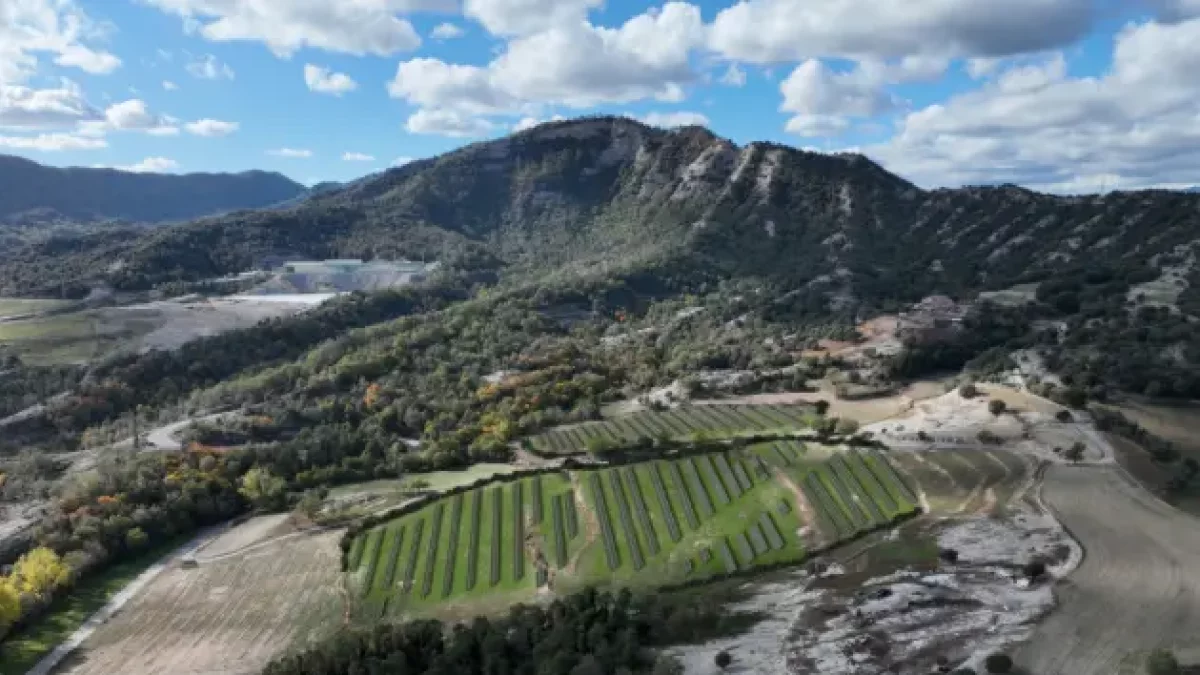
611	194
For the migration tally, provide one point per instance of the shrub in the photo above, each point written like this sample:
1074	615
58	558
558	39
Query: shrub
1034	569
1064	416
1162	662
821	407
997	407
723	659
949	555
968	390
999	663
1075	452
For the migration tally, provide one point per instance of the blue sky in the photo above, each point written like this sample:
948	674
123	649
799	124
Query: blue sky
1062	95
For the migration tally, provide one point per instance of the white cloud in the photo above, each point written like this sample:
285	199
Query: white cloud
25	108
766	31
446	31
53	142
1035	125
401	161
294	153
210	127
357	27
734	76
131	115
671	120
57	27
169	85
520	17
151	165
451	123
323	81
530	122
209	67
573	64
357	157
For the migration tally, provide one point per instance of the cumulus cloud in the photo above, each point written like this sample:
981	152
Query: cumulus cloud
451	123
57	27
211	128
1171	11
324	81
574	64
1035	125
357	157
25	108
53	142
169	85
446	31
293	153
151	165
768	31
209	67
519	17
671	120
356	27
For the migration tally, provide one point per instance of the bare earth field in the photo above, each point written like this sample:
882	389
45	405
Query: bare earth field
228	616
1138	586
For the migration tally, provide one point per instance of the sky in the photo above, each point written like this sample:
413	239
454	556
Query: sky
1063	96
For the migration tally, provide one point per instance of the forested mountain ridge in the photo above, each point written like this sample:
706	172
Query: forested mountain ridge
85	194
614	191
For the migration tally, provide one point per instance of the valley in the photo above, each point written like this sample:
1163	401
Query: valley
654	376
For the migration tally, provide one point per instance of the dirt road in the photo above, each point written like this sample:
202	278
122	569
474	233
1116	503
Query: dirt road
1138	587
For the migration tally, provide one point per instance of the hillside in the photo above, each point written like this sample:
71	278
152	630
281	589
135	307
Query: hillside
33	192
611	193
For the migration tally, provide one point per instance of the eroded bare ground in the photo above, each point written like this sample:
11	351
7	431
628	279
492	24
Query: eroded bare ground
229	616
1138	587
870	615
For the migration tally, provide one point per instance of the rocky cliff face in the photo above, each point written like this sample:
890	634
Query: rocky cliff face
614	191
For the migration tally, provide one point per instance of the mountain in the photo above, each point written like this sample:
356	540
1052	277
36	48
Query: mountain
615	195
33	192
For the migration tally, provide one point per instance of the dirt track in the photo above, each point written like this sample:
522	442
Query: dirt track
1138	586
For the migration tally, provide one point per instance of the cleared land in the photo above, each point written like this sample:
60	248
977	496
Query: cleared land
647	525
1138	586
228	616
10	307
679	423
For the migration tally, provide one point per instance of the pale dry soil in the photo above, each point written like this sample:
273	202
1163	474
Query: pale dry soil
1138	586
228	616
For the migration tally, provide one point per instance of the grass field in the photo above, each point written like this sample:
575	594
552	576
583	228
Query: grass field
21	306
717	421
644	525
75	337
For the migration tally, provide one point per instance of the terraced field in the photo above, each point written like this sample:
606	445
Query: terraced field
649	524
970	480
679	423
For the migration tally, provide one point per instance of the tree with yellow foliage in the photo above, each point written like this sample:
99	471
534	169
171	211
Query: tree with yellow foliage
40	571
10	604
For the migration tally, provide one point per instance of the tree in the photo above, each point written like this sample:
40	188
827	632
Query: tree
1075	452
263	488
136	539
968	390
1162	662
949	555
10	604
846	426
997	407
1064	416
999	663
723	659
40	571
821	406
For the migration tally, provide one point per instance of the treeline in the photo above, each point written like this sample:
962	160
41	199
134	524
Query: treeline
1183	471
588	633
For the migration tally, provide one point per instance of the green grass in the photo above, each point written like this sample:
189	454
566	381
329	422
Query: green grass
670	562
22	650
20	306
715	421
